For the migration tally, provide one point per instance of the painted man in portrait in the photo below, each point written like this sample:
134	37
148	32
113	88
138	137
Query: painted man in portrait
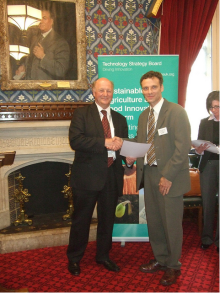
49	53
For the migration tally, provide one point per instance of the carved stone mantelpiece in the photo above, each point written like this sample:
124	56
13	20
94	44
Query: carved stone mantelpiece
38	111
34	142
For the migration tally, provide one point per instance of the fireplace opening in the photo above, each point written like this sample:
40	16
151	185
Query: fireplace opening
45	182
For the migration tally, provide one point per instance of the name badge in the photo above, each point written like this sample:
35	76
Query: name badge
110	153
162	131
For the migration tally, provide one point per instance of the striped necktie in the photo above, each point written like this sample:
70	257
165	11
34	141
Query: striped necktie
107	132
151	157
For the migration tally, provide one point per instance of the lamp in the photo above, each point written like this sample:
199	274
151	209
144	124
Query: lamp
17	52
23	16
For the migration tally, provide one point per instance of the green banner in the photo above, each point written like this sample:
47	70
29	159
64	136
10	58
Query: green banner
125	72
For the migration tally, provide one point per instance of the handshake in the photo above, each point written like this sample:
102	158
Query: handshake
114	143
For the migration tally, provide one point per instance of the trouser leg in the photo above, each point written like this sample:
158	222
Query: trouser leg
84	202
173	217
164	219
209	181
107	201
217	230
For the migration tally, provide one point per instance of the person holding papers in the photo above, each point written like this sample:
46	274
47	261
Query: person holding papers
209	170
164	174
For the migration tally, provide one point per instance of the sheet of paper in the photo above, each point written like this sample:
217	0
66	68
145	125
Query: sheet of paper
134	149
212	147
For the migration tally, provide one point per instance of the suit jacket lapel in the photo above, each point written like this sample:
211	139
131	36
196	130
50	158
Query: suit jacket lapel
115	123
209	125
97	120
143	127
49	40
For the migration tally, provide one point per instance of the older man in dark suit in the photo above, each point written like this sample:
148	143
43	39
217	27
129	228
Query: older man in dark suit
164	174
97	174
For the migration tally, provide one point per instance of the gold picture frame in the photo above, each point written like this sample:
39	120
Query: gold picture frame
78	81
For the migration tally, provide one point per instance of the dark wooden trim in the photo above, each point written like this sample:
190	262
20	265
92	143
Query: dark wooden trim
38	111
7	158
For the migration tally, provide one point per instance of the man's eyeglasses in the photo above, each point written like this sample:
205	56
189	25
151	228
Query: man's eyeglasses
214	108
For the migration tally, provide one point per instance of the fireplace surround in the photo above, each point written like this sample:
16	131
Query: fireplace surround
38	133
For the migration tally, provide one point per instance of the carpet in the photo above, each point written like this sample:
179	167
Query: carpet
45	270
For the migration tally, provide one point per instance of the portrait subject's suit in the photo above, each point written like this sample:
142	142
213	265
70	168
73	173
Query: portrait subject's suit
91	176
55	63
164	213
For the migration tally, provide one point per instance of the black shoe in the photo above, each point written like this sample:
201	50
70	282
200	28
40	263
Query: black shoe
205	246
74	268
109	265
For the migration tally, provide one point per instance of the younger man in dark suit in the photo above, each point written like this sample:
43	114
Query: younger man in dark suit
164	173
97	174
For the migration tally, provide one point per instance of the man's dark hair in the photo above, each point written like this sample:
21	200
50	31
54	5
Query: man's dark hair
213	96
151	74
52	15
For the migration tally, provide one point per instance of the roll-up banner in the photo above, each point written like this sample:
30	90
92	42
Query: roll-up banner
128	100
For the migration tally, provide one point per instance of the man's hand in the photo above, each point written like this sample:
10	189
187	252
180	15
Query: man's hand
20	69
39	51
114	143
117	142
164	186
201	148
130	161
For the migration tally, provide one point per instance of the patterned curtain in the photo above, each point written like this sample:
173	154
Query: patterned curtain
184	26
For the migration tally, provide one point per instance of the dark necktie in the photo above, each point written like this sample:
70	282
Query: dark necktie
40	40
151	157
107	132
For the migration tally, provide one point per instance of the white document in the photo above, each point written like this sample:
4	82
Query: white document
212	147
134	149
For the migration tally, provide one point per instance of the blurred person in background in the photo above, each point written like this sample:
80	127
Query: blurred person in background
209	170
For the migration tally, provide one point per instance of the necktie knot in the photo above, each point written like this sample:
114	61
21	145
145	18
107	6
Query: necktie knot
40	39
104	112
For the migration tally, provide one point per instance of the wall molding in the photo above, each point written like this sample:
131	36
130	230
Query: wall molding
38	111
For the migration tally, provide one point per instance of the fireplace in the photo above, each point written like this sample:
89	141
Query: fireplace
45	183
35	141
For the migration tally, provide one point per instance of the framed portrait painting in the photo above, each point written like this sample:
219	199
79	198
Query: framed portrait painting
43	44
